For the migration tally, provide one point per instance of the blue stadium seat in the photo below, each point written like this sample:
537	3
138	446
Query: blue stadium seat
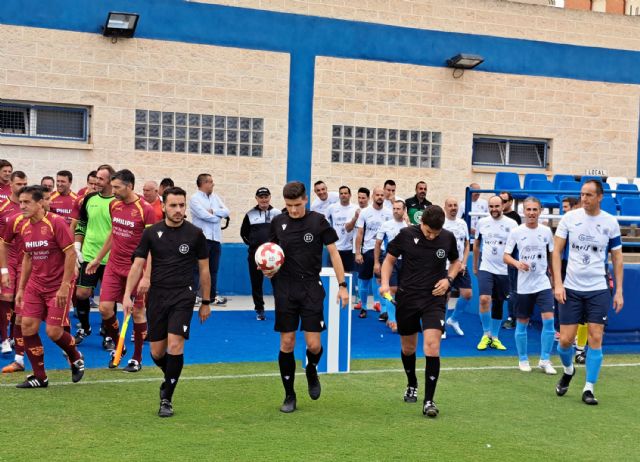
569	186
529	177
630	206
561	177
547	199
609	205
589	177
508	181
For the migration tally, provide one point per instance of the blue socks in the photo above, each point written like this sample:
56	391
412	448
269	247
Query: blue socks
546	339
521	340
485	319
495	327
593	364
566	356
375	289
390	309
363	291
460	307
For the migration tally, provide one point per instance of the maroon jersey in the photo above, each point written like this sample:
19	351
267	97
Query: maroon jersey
63	205
12	236
5	191
46	242
128	221
8	209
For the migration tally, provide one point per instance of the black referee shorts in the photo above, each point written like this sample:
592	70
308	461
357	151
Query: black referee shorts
416	312
89	281
299	304
169	311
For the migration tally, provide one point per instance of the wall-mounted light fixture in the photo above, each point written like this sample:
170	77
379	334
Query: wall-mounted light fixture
463	61
120	25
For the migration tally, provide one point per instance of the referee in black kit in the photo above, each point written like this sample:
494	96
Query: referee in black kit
421	297
174	246
298	292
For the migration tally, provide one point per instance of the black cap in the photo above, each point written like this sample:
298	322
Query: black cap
263	192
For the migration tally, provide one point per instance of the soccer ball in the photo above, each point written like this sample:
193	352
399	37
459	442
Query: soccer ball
269	257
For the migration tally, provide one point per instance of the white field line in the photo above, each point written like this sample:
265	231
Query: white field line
274	374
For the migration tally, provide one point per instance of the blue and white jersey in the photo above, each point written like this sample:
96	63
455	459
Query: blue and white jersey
533	246
480	206
338	215
321	206
589	239
459	229
371	220
388	231
494	235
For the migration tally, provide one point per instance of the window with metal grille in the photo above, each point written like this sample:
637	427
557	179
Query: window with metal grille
385	146
46	122
199	133
510	152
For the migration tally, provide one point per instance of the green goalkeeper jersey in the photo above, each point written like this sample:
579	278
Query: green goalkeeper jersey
94	224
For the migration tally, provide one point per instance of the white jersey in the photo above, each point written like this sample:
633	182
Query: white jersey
459	229
479	206
388	204
388	231
355	228
321	206
338	215
589	239
371	219
532	246
494	235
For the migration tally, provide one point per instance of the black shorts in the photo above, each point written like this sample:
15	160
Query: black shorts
462	281
89	281
525	303
299	304
169	311
417	312
348	260
365	271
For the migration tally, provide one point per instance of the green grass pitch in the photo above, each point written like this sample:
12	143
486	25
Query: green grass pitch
227	412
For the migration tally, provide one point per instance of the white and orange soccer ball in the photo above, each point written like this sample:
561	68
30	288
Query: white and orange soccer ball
269	257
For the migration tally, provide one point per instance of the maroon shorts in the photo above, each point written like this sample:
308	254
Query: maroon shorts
114	282
41	304
14	280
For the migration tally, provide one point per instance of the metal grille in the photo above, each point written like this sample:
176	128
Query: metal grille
385	146
512	153
199	133
49	122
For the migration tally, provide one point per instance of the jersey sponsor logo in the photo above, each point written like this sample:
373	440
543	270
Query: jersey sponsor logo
284	227
123	222
183	249
62	211
417	216
586	259
440	253
586	238
308	238
34	244
160	234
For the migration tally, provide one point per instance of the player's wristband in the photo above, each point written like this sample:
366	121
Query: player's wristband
342	284
205	302
4	270
450	281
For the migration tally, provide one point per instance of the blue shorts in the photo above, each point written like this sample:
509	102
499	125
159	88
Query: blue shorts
585	306
397	266
526	302
365	271
462	281
495	285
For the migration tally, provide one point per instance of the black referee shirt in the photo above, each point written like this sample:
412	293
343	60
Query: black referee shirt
424	262
174	252
302	240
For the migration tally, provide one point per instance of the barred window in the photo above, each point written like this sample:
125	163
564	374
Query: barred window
41	121
199	133
385	146
512	152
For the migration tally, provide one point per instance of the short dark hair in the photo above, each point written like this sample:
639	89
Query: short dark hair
106	167
419	183
294	190
18	174
167	183
174	190
433	217
201	179
573	201
509	196
317	183
364	190
126	176
404	206
5	163
389	182
36	191
92	174
598	183
47	177
345	187
67	174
